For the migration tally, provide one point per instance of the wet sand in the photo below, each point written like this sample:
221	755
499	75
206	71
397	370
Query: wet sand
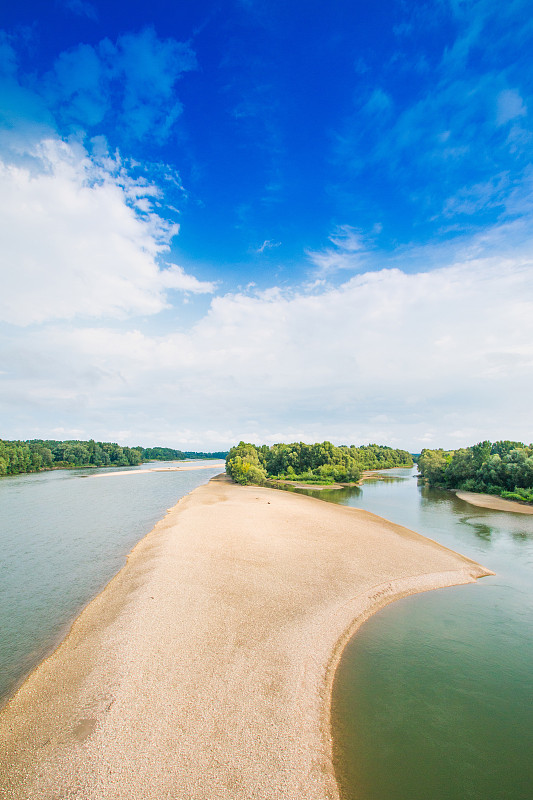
204	669
493	502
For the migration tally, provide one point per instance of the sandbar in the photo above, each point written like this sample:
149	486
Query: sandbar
494	502
204	669
184	468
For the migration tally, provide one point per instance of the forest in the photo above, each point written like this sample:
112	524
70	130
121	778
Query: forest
320	463
503	468
35	455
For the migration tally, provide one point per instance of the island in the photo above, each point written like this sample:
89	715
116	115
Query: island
498	475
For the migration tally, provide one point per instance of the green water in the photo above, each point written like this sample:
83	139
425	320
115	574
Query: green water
433	698
63	535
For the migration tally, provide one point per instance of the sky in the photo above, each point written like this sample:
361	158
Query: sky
269	220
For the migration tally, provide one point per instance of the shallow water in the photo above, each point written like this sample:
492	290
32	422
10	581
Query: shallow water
433	696
63	535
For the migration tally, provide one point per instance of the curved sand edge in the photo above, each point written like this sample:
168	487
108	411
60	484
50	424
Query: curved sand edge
493	502
205	667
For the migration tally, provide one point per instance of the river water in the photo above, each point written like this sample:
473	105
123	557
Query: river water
433	698
63	535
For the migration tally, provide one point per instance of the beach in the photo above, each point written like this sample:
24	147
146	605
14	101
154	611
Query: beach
204	669
493	502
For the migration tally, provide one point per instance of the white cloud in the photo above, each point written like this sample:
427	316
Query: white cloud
471	199
131	82
268	244
352	250
378	103
79	237
406	359
510	106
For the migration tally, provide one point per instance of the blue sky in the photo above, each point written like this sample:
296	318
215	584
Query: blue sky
266	220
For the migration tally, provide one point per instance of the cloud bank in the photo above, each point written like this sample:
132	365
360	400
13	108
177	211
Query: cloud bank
414	360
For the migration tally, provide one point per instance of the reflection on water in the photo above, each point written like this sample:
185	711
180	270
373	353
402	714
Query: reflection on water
432	698
482	530
61	540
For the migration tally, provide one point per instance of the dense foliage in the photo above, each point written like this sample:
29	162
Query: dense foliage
196	454
504	468
161	454
37	454
310	463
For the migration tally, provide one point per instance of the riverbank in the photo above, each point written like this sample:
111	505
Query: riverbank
494	502
204	669
366	475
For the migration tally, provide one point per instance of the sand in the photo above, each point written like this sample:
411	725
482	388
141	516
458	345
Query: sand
204	670
184	468
493	502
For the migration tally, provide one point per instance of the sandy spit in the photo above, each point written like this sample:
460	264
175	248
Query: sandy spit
204	670
184	468
496	503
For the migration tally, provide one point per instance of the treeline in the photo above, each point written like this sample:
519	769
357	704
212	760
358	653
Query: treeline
167	454
504	468
161	454
39	454
310	463
216	454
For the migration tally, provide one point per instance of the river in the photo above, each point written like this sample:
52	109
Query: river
433	698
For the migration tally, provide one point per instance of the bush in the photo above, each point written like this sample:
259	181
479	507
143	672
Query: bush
243	465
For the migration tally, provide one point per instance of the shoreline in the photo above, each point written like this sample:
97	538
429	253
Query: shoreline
226	625
366	475
493	502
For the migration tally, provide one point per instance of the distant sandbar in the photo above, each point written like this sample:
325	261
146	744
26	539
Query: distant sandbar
493	502
183	468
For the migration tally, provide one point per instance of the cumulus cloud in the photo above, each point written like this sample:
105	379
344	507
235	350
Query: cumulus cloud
408	359
80	237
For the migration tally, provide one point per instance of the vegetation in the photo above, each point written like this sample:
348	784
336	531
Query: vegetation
321	463
504	468
195	454
39	454
161	454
